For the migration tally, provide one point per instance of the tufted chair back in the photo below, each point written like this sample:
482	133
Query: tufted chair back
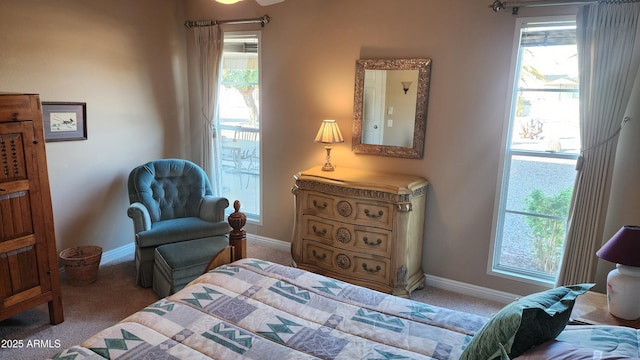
169	188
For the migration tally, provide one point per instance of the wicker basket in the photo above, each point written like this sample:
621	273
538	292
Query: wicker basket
81	264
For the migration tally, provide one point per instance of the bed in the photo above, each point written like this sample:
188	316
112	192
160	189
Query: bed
255	309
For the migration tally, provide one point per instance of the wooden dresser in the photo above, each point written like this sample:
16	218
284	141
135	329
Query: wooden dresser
360	226
28	257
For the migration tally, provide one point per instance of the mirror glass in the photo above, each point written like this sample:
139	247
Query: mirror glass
390	107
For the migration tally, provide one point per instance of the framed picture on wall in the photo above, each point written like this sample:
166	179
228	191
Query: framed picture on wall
64	121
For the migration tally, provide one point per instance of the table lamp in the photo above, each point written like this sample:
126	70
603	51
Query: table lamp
329	133
623	282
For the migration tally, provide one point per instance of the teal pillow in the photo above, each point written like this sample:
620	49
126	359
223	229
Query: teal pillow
524	323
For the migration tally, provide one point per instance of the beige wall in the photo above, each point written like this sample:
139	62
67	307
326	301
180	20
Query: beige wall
126	60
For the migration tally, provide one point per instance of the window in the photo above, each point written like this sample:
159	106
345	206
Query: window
541	151
239	121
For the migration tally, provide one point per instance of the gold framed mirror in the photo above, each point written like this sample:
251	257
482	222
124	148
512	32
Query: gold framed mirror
390	107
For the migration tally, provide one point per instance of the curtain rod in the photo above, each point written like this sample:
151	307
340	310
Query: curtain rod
498	5
197	23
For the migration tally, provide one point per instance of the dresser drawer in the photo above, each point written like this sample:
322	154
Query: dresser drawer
374	213
346	263
374	241
318	204
363	212
347	236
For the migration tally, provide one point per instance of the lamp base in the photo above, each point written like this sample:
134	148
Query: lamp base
623	291
327	165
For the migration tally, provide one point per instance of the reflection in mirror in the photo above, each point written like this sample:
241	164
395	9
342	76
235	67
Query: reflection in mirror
388	112
390	107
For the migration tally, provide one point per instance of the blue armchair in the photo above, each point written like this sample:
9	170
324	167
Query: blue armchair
171	201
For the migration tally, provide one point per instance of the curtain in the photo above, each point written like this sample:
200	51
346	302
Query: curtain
209	48
608	64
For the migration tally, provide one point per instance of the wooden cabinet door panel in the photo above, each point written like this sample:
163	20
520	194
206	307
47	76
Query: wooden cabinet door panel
23	255
23	267
15	210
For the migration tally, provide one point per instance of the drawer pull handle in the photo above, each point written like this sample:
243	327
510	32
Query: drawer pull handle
377	243
319	233
380	213
371	271
321	207
318	257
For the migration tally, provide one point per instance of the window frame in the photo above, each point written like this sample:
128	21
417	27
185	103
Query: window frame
507	155
256	219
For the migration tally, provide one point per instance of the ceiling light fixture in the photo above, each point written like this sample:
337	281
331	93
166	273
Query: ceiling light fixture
268	2
260	2
228	2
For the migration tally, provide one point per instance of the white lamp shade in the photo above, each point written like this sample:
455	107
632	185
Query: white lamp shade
329	133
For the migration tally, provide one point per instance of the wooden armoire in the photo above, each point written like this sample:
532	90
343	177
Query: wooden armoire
28	257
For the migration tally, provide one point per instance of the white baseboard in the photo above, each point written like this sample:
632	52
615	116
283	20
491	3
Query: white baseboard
117	253
269	242
469	289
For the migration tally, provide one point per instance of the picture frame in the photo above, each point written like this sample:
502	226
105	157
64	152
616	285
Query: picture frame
64	121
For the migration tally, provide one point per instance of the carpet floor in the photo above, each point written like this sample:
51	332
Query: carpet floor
114	296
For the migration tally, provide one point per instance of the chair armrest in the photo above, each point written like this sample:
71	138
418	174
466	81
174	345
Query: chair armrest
212	208
140	216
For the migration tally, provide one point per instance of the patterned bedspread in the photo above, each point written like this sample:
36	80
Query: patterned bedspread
618	340
603	342
254	309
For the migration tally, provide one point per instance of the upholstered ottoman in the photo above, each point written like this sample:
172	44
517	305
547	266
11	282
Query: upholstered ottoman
176	264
